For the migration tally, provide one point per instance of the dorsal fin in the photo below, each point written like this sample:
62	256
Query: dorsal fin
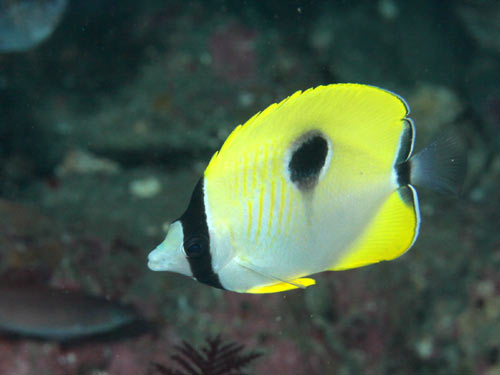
384	112
251	124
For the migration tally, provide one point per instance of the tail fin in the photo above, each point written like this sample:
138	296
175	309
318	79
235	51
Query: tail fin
441	166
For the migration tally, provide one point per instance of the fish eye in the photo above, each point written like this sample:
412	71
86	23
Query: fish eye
194	250
195	247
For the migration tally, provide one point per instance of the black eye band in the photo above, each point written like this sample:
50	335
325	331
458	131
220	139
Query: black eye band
197	240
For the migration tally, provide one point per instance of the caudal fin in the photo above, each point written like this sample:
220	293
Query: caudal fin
441	166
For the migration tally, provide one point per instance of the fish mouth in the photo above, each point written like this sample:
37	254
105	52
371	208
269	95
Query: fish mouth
156	260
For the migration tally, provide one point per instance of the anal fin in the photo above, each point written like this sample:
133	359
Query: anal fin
276	284
282	286
390	234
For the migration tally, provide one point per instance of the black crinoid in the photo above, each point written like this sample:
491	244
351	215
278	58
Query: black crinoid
216	358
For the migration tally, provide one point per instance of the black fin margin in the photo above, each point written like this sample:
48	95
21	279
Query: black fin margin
406	142
402	166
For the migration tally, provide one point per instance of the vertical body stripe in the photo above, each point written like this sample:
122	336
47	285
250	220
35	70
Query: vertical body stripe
253	172
263	166
245	174
290	209
261	209
195	230
282	201
272	206
249	225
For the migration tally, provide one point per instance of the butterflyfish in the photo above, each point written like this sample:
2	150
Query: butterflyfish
322	181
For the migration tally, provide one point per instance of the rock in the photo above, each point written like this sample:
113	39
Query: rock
386	44
233	54
79	161
433	108
481	19
28	239
145	188
25	23
132	204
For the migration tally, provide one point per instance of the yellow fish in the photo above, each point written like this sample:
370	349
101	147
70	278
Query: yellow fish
322	181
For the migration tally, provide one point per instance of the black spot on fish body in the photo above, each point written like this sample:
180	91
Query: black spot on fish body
308	158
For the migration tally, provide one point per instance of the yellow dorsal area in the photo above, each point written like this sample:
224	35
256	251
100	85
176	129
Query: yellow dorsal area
390	234
364	117
363	123
282	286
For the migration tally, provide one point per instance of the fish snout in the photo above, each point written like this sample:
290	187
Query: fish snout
156	259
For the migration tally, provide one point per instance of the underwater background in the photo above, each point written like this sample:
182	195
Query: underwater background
109	113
